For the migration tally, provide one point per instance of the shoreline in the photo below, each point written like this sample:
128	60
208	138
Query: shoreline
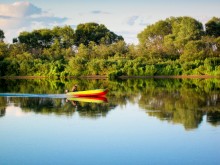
171	76
105	77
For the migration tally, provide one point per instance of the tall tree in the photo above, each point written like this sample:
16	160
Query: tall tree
155	32
152	38
41	38
170	35
2	35
186	29
65	36
94	32
213	27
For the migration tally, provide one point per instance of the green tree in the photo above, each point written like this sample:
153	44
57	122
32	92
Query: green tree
17	48
42	38
155	33
94	32
76	66
3	50
65	36
54	52
213	27
171	35
152	38
185	29
3	54
2	35
194	50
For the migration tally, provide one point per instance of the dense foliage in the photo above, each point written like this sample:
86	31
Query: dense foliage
213	26
174	46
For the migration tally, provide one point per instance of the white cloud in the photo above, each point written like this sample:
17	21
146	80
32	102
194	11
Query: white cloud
19	9
21	16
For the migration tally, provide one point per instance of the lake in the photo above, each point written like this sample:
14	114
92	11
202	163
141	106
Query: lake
142	121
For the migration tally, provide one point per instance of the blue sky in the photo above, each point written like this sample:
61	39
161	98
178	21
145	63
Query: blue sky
124	17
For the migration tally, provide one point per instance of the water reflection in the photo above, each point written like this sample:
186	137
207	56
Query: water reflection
178	101
213	118
185	104
58	107
2	112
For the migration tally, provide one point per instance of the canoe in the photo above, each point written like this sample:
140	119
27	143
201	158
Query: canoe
88	93
88	99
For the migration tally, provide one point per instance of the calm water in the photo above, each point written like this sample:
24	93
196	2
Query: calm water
161	121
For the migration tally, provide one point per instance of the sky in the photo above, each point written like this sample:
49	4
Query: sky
123	17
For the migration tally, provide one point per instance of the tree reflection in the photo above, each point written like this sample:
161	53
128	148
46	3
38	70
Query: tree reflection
179	101
185	104
214	118
92	110
2	112
2	106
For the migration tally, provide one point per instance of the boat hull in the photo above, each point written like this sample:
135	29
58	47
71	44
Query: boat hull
88	93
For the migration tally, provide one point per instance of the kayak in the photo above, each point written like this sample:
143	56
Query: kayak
88	93
88	99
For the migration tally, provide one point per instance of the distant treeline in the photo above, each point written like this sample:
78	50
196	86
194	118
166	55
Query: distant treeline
174	46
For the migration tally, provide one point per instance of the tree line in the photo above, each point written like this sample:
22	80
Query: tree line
174	46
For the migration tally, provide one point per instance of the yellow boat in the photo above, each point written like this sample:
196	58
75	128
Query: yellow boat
88	93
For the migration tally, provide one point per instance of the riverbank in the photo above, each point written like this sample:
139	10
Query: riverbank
178	77
105	77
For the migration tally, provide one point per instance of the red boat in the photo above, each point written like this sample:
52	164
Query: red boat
88	93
